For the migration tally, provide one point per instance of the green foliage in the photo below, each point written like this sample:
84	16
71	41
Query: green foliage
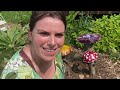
11	41
107	26
76	27
109	29
71	26
19	17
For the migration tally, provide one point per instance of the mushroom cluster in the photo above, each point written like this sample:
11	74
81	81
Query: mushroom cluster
88	40
89	55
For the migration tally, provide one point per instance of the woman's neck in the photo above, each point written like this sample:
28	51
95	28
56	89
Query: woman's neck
44	69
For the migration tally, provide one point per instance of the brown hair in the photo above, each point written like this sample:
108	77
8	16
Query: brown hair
37	15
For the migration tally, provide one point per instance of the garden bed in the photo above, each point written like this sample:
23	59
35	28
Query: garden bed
105	68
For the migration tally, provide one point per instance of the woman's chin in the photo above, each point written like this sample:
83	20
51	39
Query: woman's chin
50	58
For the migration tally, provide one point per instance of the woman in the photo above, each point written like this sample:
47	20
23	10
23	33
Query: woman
40	59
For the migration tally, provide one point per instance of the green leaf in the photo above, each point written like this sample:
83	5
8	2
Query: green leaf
11	75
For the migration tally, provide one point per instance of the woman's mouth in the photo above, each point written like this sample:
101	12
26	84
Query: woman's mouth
50	51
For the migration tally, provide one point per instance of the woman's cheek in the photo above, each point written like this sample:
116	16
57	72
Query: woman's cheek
60	42
40	41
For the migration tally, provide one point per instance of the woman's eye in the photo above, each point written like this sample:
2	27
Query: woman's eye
59	35
44	33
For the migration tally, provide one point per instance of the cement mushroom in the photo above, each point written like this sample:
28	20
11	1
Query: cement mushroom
66	49
89	38
90	56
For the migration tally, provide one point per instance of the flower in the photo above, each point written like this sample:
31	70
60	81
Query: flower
89	38
90	56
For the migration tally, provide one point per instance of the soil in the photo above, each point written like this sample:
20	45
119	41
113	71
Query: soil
105	68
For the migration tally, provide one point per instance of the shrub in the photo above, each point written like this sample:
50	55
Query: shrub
17	17
77	26
109	28
11	41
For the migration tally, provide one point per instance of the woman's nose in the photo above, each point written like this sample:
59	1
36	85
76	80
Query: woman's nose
52	41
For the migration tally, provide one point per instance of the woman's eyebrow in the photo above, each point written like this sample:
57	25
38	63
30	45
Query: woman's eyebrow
41	30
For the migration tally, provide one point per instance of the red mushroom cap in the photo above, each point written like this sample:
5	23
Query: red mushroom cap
90	56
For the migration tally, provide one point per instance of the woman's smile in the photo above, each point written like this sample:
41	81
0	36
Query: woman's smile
50	52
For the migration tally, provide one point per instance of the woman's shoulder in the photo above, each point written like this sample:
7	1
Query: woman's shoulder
12	65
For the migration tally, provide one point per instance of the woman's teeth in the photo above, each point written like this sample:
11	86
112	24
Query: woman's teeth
49	50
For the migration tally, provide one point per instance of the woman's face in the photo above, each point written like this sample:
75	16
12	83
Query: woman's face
47	38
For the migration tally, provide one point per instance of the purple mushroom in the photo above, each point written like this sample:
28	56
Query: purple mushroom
89	38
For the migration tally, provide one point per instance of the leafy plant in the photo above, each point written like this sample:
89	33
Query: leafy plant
109	28
19	17
11	41
23	17
78	23
71	26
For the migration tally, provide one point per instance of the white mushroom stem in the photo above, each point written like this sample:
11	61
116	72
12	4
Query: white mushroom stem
92	69
92	66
